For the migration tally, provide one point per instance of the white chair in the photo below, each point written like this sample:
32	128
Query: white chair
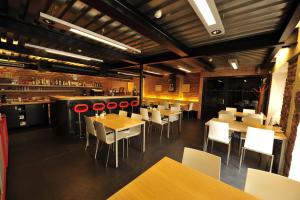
134	131
230	109
156	119
145	116
190	109
260	141
227	116
166	105
161	107
122	113
102	136
250	121
269	186
177	105
174	118
248	111
90	130
202	161
219	132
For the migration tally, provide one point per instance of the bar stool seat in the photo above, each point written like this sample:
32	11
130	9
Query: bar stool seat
134	103
98	107
80	108
111	106
123	104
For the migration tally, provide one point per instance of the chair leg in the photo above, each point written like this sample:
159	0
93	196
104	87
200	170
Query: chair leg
127	149
87	141
161	131
241	158
123	147
228	153
212	146
206	144
107	155
240	145
271	165
97	145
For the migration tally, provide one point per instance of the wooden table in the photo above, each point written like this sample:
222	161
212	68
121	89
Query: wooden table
119	123
169	179
240	114
168	113
241	127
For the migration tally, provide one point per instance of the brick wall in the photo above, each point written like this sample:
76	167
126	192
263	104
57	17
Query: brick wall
288	95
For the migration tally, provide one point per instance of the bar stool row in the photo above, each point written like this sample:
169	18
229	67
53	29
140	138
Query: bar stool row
98	107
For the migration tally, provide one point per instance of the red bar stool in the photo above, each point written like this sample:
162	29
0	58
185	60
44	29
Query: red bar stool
134	103
98	107
123	104
111	106
80	108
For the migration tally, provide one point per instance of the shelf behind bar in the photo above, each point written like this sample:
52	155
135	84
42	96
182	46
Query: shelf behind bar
37	91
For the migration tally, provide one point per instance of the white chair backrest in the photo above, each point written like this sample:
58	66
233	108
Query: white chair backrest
100	131
161	107
174	117
259	140
122	113
166	105
90	129
248	111
219	131
139	117
269	186
175	108
144	113
252	121
230	109
202	161
156	116
191	105
227	116
177	105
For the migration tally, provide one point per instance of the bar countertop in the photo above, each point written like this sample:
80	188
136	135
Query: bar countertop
67	98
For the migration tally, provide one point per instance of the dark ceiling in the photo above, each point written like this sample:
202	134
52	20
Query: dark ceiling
255	29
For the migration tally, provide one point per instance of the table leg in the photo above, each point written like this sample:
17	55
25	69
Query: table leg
282	156
116	148
204	138
144	137
168	135
180	118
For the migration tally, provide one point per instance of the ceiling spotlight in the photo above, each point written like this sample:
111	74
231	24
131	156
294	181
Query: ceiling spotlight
216	32
209	15
48	21
3	40
245	81
158	14
210	59
220	81
15	42
234	63
79	50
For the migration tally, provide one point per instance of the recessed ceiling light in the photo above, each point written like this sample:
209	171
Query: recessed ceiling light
210	59
245	81
220	81
158	14
63	53
185	70
79	50
233	63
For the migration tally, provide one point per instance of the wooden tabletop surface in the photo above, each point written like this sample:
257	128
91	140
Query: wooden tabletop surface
117	122
240	126
169	179
240	114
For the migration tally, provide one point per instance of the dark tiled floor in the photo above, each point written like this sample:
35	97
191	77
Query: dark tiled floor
43	166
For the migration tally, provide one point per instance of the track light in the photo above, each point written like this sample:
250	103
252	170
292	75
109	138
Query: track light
63	53
209	15
151	72
89	34
234	63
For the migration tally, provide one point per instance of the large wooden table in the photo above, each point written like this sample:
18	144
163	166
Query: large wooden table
169	179
168	113
240	114
118	123
241	127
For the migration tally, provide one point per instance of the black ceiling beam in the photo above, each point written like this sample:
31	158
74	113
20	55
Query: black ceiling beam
292	19
128	15
237	45
167	68
32	31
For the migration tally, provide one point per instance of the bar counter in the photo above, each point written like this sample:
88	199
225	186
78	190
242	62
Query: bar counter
65	121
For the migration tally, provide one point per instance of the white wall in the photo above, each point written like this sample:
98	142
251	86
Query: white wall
276	94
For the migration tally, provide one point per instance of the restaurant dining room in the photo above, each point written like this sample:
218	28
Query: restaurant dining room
149	99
